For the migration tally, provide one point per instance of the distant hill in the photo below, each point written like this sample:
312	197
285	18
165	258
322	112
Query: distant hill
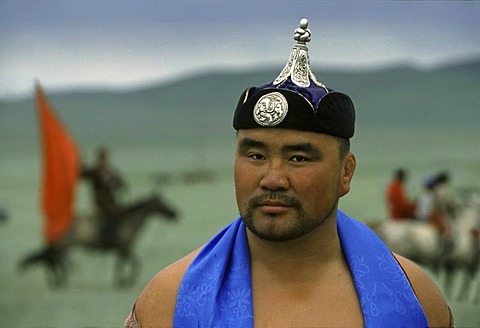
203	105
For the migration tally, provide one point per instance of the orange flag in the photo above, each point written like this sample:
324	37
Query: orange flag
60	171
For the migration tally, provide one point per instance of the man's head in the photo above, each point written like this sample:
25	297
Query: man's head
289	182
102	157
293	159
400	175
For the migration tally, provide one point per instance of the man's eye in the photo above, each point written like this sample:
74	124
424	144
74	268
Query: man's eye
256	156
298	158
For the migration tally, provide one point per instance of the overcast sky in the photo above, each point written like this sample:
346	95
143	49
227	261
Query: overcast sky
120	43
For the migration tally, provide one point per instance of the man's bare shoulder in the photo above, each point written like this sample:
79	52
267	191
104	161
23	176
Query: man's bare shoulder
156	304
433	303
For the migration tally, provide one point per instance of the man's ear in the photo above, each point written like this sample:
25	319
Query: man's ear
348	169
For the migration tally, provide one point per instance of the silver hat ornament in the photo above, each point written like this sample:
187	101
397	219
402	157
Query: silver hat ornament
298	65
272	108
295	99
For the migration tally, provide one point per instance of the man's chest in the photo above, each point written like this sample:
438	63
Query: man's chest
330	304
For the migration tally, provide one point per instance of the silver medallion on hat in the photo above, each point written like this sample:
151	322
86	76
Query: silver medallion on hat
270	109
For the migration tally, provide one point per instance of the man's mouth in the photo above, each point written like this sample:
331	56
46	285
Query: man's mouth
274	203
274	206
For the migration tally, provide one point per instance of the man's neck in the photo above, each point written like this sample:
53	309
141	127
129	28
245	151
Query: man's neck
299	258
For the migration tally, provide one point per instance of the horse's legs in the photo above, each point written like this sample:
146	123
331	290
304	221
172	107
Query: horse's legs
449	280
59	271
476	291
127	269
468	284
435	267
53	260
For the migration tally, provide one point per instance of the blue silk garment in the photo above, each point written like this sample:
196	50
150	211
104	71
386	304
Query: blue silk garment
216	290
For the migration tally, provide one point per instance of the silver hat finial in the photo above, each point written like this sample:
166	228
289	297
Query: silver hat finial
302	34
298	65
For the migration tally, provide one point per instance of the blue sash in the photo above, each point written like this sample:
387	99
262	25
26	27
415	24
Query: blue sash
216	289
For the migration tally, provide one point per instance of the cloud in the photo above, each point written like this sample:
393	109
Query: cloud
123	43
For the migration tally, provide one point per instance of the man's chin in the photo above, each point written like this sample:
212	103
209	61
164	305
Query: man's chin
273	229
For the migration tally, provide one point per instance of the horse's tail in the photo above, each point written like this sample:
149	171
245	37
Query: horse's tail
46	256
53	259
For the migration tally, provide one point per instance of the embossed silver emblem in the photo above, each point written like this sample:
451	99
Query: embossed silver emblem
270	109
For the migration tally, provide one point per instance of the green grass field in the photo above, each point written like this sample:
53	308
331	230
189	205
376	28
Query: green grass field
424	121
90	298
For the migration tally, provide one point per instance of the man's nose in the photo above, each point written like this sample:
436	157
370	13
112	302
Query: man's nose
275	177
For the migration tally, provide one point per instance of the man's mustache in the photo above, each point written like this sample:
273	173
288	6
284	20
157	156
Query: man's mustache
274	196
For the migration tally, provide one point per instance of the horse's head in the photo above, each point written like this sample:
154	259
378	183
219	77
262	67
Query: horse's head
160	206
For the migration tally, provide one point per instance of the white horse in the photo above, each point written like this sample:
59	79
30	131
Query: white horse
415	240
421	242
464	256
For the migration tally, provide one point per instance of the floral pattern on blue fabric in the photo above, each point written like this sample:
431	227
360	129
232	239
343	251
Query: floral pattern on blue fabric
216	289
239	301
184	299
359	270
386	296
390	265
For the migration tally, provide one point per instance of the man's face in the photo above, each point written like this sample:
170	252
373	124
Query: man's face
288	182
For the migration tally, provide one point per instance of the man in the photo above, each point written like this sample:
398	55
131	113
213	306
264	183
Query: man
106	184
400	207
429	205
444	201
292	259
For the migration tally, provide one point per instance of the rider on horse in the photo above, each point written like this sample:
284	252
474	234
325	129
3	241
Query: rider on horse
435	206
105	183
399	205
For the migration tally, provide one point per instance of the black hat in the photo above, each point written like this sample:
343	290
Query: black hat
296	100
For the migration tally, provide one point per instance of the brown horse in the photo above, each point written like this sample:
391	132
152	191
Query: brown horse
86	233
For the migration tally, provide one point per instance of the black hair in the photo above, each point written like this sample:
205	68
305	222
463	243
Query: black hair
344	146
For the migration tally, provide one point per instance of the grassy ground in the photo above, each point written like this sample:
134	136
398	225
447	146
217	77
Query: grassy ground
91	300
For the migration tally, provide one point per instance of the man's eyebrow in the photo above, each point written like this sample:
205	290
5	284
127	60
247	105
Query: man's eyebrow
302	147
248	143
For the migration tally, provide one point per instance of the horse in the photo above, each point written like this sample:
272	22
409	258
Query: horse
416	240
422	243
85	232
3	212
464	257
